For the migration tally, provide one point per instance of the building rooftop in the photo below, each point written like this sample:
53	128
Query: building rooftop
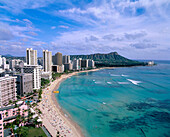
19	103
7	132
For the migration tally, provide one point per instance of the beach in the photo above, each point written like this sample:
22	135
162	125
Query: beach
53	118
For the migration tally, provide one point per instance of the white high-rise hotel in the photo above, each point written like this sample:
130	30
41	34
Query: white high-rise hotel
47	61
32	67
7	90
31	56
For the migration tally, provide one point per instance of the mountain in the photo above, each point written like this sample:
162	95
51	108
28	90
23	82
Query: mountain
109	60
7	55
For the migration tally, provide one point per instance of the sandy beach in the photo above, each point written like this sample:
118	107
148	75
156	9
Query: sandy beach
52	116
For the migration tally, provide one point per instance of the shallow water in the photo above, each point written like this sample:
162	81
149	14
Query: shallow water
121	102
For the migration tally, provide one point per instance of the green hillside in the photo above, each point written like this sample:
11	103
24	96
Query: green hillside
110	59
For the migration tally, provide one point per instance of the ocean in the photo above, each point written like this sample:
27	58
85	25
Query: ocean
120	102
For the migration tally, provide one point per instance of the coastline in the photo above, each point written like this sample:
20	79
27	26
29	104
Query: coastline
49	97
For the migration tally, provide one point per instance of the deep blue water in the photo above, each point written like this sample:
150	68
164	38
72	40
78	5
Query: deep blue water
121	102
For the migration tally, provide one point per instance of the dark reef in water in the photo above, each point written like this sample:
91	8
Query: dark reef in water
139	106
149	103
148	120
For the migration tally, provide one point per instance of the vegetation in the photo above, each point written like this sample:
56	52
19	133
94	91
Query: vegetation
22	131
39	93
56	75
18	97
44	82
36	132
30	132
109	60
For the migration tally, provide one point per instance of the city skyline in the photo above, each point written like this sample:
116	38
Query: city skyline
135	29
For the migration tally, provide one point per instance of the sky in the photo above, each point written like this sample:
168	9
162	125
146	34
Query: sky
136	29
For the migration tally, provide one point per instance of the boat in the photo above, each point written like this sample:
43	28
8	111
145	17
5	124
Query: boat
55	91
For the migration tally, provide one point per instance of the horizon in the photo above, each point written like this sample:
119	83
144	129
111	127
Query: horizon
136	29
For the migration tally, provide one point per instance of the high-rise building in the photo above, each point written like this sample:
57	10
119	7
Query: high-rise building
35	71
31	57
79	63
58	68
4	63
24	84
66	59
47	61
91	63
75	64
84	63
57	59
68	66
7	90
2	72
0	60
14	62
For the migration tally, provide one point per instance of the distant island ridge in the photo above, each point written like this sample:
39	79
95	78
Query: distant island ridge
112	59
109	60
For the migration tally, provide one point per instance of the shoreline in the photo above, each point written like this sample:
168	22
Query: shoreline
48	95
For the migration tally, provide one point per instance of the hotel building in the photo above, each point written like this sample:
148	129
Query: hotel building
14	63
75	64
68	66
66	59
35	70
9	113
24	84
84	63
47	61
91	63
57	59
31	57
7	90
58	68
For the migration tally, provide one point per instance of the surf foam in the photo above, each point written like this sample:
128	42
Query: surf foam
134	81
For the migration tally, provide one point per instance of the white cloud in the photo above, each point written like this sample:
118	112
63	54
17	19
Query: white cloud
53	27
63	26
17	6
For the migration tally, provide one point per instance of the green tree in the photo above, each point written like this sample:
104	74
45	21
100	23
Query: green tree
22	131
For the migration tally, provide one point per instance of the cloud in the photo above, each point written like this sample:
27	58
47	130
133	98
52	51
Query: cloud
5	34
38	43
91	38
135	35
109	36
13	47
62	26
27	21
143	45
95	26
53	27
16	6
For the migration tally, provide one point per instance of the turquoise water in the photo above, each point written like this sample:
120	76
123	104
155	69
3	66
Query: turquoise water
121	102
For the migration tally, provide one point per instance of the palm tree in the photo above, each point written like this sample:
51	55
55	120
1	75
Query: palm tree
35	122
10	102
6	113
19	131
